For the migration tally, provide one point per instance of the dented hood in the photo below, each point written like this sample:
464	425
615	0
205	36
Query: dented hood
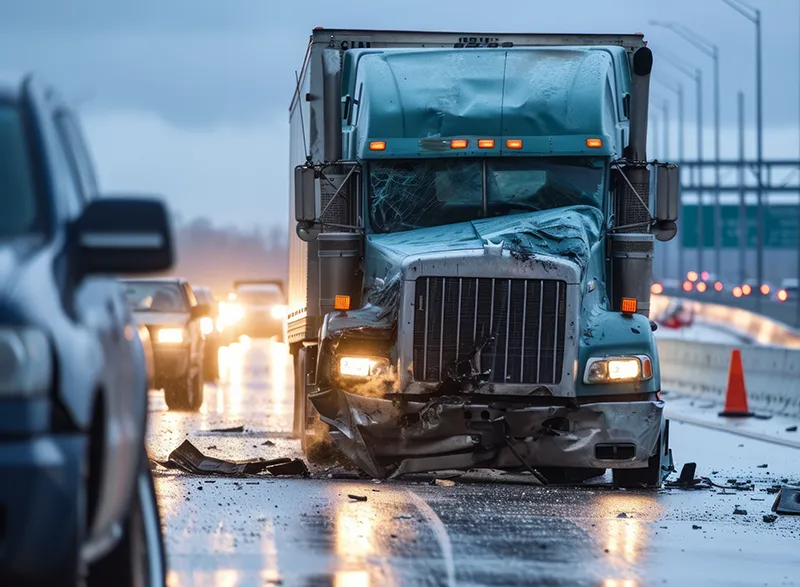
568	232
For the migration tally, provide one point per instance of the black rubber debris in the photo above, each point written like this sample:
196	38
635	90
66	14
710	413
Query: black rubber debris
357	497
696	527
189	459
788	501
770	518
791	429
231	429
764	466
739	512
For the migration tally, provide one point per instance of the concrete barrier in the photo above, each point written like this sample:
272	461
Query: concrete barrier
771	374
761	329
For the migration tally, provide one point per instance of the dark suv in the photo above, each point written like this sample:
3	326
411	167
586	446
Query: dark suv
77	503
169	309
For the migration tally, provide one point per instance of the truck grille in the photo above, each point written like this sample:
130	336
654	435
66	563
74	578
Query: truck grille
519	322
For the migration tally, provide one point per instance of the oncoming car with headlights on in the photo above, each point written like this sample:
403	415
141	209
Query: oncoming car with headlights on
172	314
256	309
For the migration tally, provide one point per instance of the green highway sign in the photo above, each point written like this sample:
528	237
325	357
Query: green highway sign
780	227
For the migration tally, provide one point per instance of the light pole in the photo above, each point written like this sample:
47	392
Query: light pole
697	75
712	51
754	16
678	89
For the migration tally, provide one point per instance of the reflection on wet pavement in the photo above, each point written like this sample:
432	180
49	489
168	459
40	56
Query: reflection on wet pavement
223	532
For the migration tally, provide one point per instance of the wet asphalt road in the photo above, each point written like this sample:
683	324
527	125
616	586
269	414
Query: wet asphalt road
307	532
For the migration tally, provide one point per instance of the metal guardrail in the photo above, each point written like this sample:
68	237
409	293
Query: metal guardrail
784	312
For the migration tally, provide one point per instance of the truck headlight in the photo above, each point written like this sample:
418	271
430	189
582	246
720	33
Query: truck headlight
618	369
363	367
170	335
230	313
26	362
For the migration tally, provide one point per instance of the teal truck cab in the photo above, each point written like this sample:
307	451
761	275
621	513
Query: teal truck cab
470	278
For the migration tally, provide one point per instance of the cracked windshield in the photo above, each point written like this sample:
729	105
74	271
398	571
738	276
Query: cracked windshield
363	294
409	194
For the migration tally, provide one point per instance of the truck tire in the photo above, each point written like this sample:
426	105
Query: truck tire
184	393
139	558
307	431
650	476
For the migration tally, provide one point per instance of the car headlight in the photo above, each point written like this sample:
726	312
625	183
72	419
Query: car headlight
170	335
26	362
206	325
618	369
230	313
363	367
278	312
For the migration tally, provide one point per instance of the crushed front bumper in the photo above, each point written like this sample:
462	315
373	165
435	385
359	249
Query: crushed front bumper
387	438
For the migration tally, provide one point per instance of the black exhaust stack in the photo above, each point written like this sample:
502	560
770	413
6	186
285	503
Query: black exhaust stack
632	244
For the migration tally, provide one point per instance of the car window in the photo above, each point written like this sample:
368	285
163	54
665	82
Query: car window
22	211
155	296
78	154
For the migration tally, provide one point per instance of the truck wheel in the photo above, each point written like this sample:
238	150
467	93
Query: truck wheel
652	475
299	415
138	559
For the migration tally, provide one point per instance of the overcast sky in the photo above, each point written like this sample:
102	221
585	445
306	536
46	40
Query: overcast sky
189	98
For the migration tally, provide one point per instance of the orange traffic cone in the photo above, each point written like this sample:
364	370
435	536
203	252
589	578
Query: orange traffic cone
736	395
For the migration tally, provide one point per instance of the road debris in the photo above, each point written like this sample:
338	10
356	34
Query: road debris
189	459
622	515
443	483
268	443
696	527
764	466
739	512
770	518
787	501
231	429
791	429
357	497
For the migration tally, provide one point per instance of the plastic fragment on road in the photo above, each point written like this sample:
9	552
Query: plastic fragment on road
787	501
189	459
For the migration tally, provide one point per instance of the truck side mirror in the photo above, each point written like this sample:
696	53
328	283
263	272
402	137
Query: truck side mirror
306	194
666	180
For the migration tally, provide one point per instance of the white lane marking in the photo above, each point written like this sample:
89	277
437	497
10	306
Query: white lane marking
737	431
441	535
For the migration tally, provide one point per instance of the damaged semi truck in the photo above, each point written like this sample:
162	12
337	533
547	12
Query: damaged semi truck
470	277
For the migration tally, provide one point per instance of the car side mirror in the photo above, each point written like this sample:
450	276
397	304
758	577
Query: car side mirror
123	236
666	181
201	311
